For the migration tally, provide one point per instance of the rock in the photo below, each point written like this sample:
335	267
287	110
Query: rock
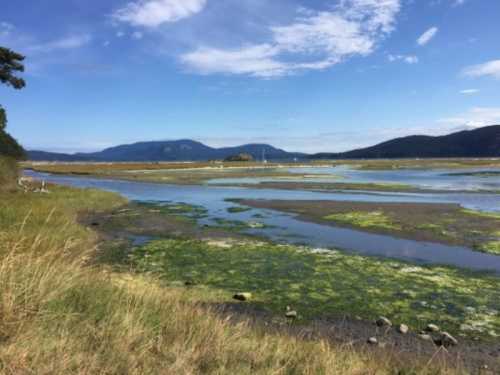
372	341
256	225
403	329
425	337
446	340
242	296
383	322
432	328
291	314
190	283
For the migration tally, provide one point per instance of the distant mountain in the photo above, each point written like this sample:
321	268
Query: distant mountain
182	150
54	156
482	142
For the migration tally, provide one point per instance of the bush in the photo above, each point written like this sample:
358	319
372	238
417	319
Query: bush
8	173
10	147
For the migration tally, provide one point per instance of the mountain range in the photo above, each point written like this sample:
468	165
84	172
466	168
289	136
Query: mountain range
181	150
482	142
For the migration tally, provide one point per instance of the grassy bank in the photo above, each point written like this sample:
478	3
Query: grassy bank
171	173
60	315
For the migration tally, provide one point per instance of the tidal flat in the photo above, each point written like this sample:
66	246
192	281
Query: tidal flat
318	283
442	223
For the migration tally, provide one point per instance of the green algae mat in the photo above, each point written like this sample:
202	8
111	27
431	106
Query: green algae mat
321	284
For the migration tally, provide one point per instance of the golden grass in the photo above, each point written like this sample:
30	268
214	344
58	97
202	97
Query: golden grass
107	168
59	315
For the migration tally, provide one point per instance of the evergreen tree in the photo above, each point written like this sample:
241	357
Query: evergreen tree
10	65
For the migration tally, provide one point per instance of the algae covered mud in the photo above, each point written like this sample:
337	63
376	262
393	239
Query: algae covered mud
358	260
286	227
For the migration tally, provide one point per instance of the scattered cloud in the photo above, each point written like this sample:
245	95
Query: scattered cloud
490	68
469	91
458	2
409	59
66	43
427	36
313	41
153	13
474	118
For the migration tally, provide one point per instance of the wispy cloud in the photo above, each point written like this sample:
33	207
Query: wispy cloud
314	41
474	118
427	36
490	68
469	91
409	59
68	42
153	13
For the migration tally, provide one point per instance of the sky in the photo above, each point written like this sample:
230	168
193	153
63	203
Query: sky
310	76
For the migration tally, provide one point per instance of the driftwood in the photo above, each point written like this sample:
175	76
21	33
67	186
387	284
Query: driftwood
28	185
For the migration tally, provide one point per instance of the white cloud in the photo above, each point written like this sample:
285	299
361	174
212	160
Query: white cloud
469	91
69	42
120	34
474	118
153	13
427	36
5	29
409	59
490	68
314	41
254	60
458	2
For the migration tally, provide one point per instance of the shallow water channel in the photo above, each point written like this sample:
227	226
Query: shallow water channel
284	227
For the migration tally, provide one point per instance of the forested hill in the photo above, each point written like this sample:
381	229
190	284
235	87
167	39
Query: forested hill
482	142
182	150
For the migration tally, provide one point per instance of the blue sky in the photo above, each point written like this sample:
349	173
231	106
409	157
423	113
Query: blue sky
302	75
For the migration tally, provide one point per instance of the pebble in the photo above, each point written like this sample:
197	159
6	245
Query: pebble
432	328
383	322
242	296
372	341
446	340
425	337
403	329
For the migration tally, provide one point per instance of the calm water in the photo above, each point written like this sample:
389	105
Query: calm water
439	179
286	228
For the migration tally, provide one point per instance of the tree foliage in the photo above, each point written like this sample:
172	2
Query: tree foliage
10	65
3	118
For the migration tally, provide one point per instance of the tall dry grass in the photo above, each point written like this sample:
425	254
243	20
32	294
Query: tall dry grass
58	315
